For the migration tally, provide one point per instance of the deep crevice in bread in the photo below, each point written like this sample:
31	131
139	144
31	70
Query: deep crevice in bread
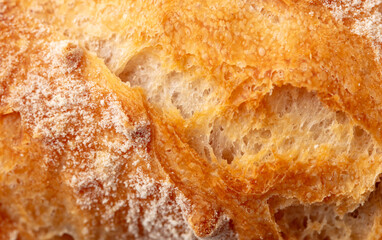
287	120
321	221
184	92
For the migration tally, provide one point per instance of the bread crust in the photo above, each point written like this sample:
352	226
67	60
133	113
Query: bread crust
92	158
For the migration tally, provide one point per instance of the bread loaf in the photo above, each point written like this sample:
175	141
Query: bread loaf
190	119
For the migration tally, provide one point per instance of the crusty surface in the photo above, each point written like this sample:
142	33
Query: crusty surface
77	146
249	120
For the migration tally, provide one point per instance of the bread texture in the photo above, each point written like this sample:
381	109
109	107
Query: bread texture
190	119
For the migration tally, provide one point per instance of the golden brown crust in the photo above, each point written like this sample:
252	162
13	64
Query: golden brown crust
73	146
227	41
90	157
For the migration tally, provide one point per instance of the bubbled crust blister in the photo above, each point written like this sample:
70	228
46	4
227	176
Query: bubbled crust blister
96	149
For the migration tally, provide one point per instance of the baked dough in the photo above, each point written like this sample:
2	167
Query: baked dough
184	120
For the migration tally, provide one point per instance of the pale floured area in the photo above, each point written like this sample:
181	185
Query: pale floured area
364	17
95	154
